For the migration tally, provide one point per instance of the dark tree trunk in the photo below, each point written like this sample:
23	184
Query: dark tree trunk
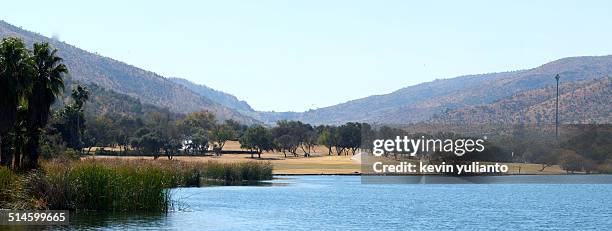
339	151
544	166
5	155
7	158
294	152
1	156
17	160
306	151
2	153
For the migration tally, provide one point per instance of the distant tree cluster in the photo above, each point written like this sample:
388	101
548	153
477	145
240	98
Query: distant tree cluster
291	136
199	133
160	133
584	148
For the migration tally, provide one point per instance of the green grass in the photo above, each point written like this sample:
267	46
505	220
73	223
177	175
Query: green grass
7	178
7	184
237	172
122	185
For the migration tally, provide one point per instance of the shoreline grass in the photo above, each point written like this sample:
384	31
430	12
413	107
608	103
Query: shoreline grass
7	184
116	185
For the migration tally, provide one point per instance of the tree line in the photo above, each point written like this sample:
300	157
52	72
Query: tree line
200	133
582	148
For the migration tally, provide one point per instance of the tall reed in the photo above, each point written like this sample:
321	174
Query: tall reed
130	185
7	184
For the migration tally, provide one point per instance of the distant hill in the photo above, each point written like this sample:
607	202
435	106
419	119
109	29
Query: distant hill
146	86
107	102
523	96
423	101
104	102
579	102
219	97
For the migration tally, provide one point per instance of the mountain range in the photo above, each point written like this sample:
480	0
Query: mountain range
445	98
524	96
148	87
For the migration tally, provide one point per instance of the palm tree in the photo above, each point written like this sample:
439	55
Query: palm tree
47	85
15	77
80	94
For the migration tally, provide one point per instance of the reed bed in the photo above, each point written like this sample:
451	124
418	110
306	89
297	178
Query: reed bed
125	185
7	184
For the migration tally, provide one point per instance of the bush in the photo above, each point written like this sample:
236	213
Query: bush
570	161
605	167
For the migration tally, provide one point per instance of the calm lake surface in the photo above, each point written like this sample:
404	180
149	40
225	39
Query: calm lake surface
342	202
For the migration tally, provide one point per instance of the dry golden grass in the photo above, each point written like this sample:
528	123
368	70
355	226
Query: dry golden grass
318	163
321	163
520	168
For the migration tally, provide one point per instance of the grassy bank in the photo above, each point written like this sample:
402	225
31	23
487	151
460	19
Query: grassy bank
117	185
7	185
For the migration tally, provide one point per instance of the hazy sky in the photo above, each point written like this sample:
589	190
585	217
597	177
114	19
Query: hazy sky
296	55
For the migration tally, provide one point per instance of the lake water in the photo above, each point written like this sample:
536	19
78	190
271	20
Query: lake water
342	202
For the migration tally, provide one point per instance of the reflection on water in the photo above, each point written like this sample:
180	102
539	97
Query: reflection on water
102	221
123	221
343	202
507	179
213	183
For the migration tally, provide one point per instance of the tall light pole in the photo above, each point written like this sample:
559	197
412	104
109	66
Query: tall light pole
557	77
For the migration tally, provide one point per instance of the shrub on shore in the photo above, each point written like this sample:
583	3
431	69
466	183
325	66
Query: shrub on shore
123	185
605	168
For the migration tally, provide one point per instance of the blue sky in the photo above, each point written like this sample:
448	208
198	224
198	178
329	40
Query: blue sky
297	55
